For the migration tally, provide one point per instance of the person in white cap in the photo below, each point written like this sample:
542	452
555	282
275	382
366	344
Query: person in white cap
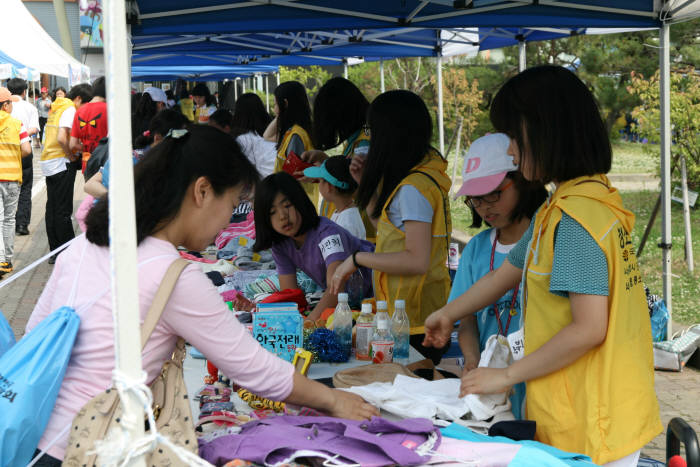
151	102
496	193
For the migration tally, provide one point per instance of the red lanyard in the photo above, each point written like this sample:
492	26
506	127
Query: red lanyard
511	311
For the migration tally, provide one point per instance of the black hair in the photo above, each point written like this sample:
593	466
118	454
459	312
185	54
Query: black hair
53	93
169	94
200	89
401	128
340	109
162	179
552	110
16	86
222	117
339	167
531	195
98	88
184	93
296	111
250	115
142	115
265	193
83	90
161	124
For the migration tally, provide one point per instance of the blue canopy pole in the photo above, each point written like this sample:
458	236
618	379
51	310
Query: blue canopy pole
345	69
381	75
522	57
665	108
441	127
267	92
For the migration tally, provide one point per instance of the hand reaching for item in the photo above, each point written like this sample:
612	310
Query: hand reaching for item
342	272
357	167
485	381
352	406
438	329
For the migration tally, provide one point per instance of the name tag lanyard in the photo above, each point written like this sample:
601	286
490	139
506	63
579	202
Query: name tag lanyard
512	312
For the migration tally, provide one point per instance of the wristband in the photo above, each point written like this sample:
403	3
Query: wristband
354	259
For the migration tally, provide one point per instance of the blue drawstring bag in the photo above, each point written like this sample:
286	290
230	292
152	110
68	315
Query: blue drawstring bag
659	320
31	374
7	336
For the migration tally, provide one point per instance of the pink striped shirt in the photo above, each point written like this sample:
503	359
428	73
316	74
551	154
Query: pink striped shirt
195	312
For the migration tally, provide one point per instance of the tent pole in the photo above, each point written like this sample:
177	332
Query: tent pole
235	88
345	69
122	227
63	29
441	127
686	218
381	75
665	104
278	78
267	92
243	81
522	57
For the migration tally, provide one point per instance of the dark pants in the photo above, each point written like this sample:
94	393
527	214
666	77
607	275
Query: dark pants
24	205
42	123
46	460
59	207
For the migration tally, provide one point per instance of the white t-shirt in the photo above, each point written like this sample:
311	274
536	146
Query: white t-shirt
27	114
58	165
350	220
260	152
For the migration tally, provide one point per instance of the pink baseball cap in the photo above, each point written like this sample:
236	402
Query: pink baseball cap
486	165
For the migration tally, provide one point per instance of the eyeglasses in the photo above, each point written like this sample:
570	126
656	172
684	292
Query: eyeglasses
488	198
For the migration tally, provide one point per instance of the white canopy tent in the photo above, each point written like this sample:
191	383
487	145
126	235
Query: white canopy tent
24	40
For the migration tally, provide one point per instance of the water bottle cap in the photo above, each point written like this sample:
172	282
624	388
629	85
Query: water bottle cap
366	308
400	304
381	305
342	297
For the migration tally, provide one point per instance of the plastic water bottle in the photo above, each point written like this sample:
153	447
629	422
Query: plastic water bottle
363	332
342	323
400	327
382	345
382	313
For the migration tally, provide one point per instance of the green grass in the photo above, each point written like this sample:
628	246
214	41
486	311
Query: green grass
631	158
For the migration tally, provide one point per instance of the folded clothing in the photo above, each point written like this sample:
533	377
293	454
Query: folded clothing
245	228
216	278
376	442
222	266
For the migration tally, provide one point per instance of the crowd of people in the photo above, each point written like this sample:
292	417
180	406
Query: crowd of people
554	272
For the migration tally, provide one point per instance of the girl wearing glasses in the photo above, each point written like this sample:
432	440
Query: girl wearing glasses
587	354
497	194
404	188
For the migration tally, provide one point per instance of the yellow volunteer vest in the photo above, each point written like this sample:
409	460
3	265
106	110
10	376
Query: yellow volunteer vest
10	150
603	404
327	208
53	150
311	189
187	108
428	292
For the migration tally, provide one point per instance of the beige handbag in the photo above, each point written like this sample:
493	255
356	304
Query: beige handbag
171	406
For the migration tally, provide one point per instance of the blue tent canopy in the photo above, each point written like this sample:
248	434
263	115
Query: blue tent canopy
157	17
199	72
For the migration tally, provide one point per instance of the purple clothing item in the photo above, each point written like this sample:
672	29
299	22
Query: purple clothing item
325	244
278	439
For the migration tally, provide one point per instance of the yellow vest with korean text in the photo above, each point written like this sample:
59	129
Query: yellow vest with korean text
427	292
10	150
53	150
311	189
603	404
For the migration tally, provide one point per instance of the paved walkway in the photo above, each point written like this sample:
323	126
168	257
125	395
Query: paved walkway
677	392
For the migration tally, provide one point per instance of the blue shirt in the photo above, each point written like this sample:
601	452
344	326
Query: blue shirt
473	265
579	265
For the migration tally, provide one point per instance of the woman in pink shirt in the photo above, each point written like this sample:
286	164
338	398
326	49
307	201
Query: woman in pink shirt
185	189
